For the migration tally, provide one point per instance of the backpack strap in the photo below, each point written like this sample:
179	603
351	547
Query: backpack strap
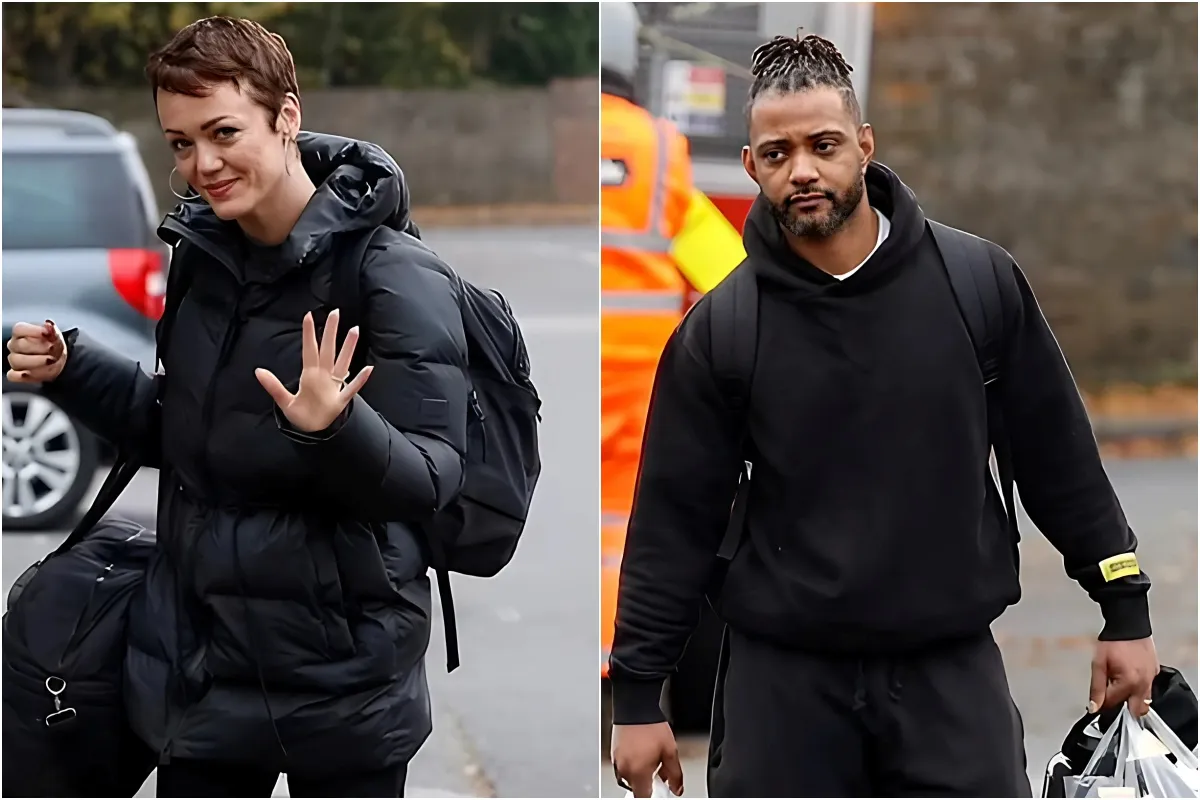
974	279
179	281
976	288
733	323
126	464
733	331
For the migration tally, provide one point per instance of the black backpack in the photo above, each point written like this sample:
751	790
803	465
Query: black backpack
478	532
66	733
734	333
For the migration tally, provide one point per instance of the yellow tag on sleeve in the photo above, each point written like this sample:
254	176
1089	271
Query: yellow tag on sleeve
1119	566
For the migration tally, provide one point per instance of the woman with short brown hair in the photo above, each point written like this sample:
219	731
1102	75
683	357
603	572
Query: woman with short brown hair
284	624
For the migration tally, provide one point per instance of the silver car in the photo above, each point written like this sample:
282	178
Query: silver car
79	248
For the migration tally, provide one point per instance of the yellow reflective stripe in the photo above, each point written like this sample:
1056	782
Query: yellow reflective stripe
638	242
642	301
707	248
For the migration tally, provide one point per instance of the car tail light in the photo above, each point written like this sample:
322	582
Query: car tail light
138	277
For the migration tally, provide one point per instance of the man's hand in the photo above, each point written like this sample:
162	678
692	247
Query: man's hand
639	750
1123	672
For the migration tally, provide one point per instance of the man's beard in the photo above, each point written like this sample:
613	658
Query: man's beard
820	225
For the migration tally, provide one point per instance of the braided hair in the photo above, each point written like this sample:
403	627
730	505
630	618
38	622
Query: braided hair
788	65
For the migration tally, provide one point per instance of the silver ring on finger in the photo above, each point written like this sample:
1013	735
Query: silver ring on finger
339	381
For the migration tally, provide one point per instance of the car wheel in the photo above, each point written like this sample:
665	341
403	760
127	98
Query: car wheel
50	461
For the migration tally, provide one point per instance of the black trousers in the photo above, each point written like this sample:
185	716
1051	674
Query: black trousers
184	778
940	723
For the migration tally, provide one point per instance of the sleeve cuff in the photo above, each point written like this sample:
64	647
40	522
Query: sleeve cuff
356	447
637	702
296	435
1125	618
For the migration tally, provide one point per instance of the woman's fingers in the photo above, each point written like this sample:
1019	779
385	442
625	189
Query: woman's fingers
353	386
24	362
342	368
279	393
39	373
308	336
329	341
31	345
25	329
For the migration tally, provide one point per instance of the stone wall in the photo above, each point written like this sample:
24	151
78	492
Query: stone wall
1066	133
457	148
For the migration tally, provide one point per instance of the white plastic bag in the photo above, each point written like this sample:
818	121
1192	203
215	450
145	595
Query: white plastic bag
1132	760
660	789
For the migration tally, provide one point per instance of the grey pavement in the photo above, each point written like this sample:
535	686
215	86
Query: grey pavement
520	717
1047	637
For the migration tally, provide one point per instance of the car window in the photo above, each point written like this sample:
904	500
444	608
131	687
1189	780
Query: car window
70	200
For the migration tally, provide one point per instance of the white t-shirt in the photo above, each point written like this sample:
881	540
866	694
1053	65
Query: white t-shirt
885	227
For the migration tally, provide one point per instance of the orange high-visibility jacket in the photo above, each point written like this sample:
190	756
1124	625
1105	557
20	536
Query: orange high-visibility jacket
646	185
660	240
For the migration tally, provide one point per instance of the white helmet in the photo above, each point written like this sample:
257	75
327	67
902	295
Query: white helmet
619	24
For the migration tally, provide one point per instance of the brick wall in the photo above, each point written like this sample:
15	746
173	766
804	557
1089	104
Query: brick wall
1067	134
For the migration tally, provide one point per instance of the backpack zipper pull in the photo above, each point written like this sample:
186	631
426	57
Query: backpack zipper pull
478	410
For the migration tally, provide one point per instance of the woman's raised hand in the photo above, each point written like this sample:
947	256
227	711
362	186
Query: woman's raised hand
323	392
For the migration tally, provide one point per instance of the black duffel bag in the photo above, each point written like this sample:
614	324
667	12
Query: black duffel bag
64	641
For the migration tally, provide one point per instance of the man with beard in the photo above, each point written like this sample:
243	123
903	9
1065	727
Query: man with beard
873	551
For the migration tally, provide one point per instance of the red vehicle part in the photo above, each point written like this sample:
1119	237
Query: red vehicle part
138	277
727	186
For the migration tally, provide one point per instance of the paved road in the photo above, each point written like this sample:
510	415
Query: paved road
520	717
1047	637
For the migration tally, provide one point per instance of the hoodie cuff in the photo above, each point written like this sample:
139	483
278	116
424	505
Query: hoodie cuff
1125	618
637	702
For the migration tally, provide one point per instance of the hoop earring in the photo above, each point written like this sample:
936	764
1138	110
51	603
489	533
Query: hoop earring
171	186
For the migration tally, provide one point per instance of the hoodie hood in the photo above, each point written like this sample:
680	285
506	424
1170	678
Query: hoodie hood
775	262
359	187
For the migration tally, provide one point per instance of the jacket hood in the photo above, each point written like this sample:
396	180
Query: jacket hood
774	261
359	187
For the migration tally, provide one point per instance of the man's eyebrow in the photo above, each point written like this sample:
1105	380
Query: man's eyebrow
776	142
825	133
203	127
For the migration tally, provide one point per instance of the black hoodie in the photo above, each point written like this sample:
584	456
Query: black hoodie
284	620
873	526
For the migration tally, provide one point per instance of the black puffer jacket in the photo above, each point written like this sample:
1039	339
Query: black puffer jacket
289	608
